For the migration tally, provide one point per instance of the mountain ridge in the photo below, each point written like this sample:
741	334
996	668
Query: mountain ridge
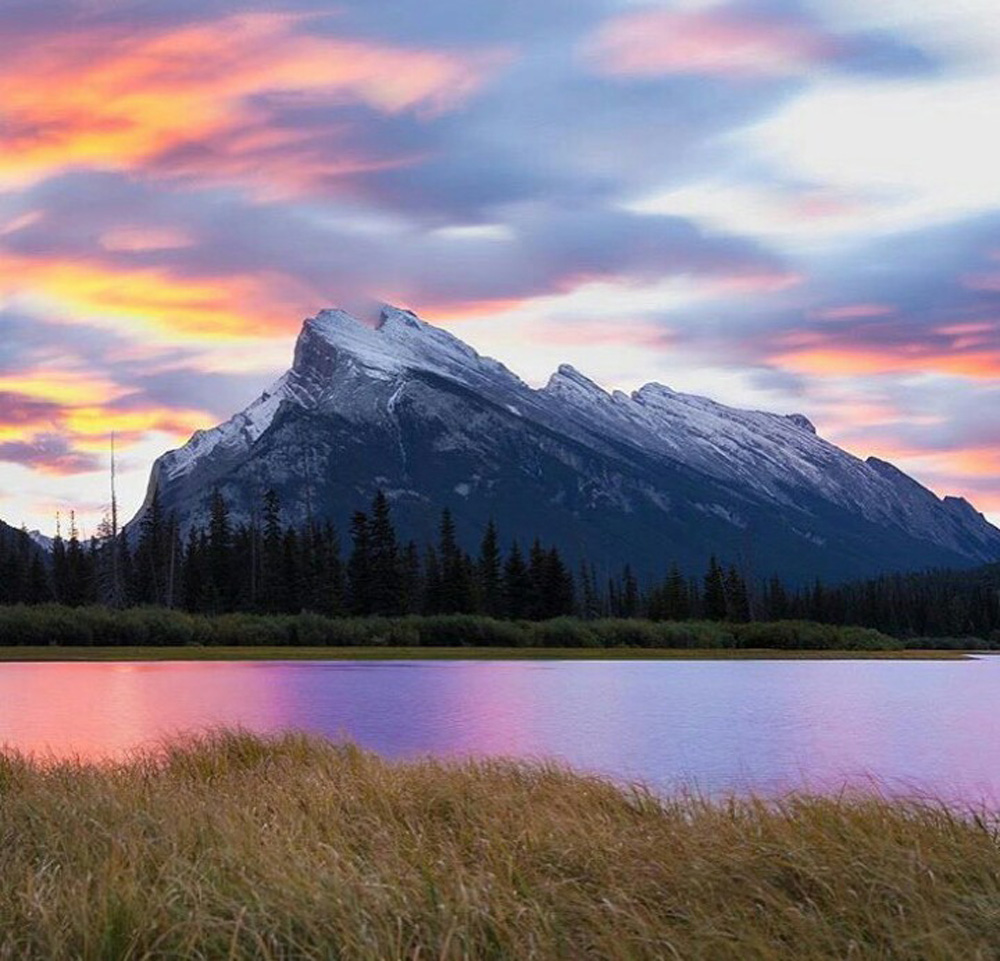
409	407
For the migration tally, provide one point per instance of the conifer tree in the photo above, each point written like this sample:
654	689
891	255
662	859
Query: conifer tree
433	593
629	593
220	583
737	597
385	572
270	582
293	586
560	593
591	605
456	570
677	595
537	566
359	566
149	580
489	573
411	582
714	595
517	586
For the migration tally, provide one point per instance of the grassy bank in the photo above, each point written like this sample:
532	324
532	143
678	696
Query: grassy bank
158	627
235	847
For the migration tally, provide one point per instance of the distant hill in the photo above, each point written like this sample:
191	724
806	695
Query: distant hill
646	478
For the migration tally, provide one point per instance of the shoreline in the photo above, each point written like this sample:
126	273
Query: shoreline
137	654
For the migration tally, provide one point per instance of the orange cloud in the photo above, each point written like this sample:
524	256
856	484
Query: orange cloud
153	298
655	42
109	100
54	420
810	352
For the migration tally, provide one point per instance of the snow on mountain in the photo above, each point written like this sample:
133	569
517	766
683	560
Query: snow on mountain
409	407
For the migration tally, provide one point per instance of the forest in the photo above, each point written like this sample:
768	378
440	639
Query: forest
269	567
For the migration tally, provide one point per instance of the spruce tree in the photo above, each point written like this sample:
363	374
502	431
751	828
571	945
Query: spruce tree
537	566
411	581
220	534
489	573
677	596
457	594
629	593
433	592
385	569
714	595
737	597
359	567
560	591
591	596
150	554
270	591
517	586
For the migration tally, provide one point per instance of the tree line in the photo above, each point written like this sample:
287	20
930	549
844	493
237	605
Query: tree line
269	567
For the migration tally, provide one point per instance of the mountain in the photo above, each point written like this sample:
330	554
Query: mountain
16	543
648	477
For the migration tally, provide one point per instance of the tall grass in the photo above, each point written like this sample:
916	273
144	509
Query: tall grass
159	627
235	847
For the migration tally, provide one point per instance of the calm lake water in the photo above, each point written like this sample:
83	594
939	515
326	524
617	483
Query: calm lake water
766	726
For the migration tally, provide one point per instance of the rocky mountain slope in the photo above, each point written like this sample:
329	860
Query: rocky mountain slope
648	477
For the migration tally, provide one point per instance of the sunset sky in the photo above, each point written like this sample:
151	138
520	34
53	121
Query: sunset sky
792	205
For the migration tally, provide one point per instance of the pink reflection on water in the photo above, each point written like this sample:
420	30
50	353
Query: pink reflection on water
102	710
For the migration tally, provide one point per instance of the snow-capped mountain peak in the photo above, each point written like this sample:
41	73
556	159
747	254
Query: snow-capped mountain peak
387	400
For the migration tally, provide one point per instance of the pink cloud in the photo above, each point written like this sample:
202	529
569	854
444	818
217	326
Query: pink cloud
655	42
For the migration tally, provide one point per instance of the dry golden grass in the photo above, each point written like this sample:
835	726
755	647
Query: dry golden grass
232	846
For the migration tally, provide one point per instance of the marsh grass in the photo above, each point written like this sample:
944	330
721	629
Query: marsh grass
233	846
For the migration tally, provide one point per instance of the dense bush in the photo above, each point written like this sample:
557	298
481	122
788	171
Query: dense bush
158	627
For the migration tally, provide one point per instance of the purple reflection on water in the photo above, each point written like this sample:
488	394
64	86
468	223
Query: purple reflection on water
766	726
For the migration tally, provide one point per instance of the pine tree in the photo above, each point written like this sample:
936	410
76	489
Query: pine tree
411	582
677	596
293	584
330	597
456	570
359	567
220	584
591	597
77	568
433	595
150	554
489	573
59	565
737	597
777	600
714	596
560	591
271	599
629	593
385	572
517	586
537	564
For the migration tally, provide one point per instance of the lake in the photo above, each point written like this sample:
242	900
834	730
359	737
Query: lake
930	727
